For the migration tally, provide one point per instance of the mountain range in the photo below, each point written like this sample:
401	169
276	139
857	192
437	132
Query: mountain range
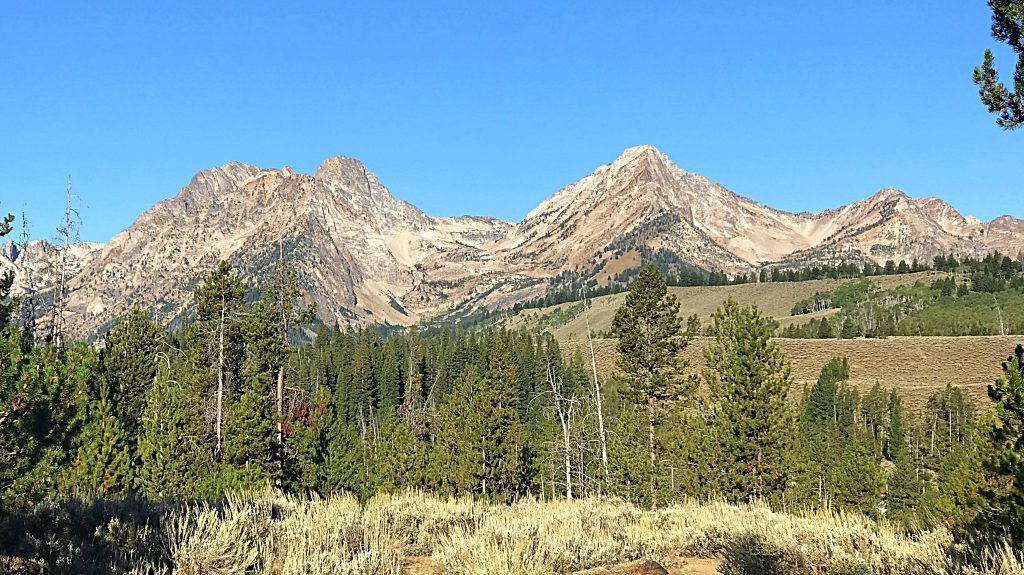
364	256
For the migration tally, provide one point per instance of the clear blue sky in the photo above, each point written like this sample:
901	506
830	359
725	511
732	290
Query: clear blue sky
462	108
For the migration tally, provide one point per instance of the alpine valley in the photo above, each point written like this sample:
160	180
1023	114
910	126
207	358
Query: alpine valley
364	256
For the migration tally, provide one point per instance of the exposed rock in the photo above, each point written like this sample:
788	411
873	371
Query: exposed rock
365	256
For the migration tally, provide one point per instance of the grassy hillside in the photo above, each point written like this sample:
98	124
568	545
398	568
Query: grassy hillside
916	365
776	300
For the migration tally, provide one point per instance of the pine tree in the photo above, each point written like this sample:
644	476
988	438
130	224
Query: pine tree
693	326
1007	27
820	402
174	455
819	433
249	431
854	481
214	341
1003	455
127	365
345	461
104	460
824	330
397	457
958	501
630	468
650	338
308	438
44	406
850	329
480	441
279	297
8	305
903	496
749	377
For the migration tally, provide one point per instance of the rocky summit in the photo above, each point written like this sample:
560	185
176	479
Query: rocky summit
364	256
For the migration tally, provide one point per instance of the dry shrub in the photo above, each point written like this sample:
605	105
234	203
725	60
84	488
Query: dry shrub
420	520
267	533
562	537
235	540
332	536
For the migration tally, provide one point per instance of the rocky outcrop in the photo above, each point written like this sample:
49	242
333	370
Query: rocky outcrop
364	256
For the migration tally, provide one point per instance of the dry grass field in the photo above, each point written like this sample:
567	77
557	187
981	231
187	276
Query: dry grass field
916	365
412	533
775	300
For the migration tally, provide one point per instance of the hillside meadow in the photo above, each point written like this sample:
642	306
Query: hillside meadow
775	300
917	366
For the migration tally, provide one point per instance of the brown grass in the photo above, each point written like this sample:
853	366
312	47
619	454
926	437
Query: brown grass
916	365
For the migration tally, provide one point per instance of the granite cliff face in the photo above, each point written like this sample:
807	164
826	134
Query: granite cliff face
365	256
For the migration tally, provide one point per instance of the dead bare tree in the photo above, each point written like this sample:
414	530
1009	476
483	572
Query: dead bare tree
220	382
597	391
565	407
67	234
999	311
28	298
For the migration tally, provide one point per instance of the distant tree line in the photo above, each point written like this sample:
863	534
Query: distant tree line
571	286
974	297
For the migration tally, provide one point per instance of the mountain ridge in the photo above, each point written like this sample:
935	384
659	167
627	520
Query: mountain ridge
365	256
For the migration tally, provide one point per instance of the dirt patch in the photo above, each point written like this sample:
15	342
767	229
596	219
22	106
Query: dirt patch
693	566
424	565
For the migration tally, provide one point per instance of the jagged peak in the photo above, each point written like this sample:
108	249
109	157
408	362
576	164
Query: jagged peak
214	181
888	194
335	166
641	150
645	152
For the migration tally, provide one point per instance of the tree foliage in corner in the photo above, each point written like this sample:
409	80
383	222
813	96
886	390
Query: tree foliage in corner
1004	457
1007	27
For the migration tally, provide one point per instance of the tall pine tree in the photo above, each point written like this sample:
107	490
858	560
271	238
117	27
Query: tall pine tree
749	377
650	337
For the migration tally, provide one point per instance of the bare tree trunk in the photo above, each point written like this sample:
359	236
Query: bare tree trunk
597	394
220	384
564	422
283	288
999	310
280	418
67	232
650	447
580	475
483	469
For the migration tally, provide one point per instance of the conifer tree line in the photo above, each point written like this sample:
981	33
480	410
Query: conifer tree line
971	297
230	402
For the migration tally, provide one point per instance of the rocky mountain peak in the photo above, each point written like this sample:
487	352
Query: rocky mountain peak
365	256
340	168
888	195
211	183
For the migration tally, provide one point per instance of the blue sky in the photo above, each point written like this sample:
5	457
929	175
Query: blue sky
488	108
